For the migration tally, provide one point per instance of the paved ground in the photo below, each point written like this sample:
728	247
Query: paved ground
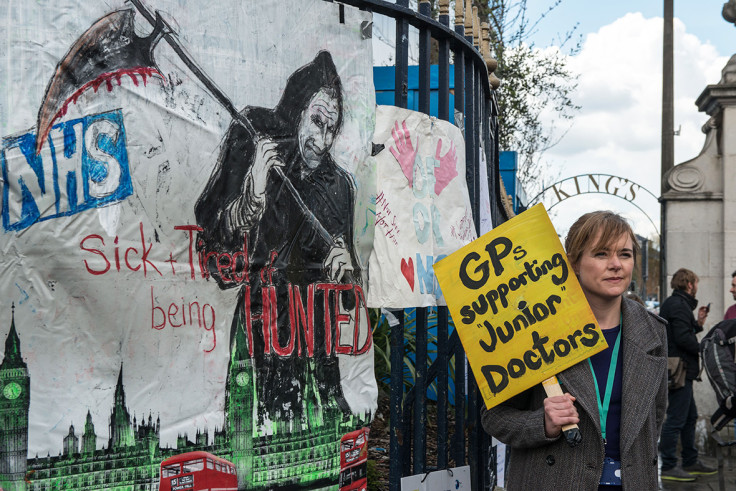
707	483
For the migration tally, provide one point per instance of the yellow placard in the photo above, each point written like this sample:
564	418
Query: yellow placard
517	306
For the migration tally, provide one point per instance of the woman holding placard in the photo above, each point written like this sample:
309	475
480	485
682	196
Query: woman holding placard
617	397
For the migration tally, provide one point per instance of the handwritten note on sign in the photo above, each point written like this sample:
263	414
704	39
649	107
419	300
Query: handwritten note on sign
518	307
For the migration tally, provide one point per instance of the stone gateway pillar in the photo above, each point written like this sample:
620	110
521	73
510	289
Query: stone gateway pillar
699	198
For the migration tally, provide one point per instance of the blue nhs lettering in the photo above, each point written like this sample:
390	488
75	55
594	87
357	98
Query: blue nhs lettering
84	165
425	274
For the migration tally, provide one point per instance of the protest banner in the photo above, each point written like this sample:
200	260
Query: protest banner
186	227
457	478
422	207
518	307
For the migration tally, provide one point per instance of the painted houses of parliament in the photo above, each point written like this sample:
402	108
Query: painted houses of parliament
289	455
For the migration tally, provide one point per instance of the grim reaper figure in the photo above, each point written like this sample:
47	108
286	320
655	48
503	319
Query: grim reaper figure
280	198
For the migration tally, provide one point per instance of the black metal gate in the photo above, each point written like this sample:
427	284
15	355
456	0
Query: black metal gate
460	438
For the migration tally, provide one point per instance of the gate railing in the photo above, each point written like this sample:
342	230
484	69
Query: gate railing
476	112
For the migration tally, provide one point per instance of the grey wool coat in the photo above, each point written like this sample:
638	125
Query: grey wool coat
538	463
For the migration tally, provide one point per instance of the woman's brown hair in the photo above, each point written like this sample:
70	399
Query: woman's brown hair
582	233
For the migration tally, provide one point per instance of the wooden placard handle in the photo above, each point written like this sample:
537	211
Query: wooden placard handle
571	431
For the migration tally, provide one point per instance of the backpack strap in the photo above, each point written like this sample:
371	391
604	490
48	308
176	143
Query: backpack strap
724	342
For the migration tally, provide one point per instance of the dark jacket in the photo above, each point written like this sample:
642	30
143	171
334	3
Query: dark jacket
682	328
542	463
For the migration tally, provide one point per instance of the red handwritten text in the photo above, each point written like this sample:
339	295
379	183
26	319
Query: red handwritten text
302	320
140	258
183	314
385	219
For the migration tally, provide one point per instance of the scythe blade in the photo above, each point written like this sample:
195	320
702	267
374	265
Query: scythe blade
106	52
110	49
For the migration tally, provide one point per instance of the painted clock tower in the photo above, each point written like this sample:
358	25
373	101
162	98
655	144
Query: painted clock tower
240	405
15	400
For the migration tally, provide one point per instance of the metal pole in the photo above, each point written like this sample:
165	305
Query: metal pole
397	443
644	268
668	125
396	323
458	444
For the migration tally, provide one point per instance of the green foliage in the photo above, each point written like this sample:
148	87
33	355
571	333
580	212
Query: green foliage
535	95
381	349
373	477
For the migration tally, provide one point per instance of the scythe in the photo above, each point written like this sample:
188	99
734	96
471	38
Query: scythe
105	53
110	49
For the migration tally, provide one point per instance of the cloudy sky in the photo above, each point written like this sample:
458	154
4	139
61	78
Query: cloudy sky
618	129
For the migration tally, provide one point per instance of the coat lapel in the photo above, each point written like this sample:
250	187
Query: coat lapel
639	380
640	372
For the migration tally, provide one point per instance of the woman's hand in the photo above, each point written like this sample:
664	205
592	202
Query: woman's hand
559	411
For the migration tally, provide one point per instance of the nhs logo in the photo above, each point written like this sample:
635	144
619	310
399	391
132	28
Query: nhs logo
83	165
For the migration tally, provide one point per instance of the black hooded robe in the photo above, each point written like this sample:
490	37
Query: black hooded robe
284	247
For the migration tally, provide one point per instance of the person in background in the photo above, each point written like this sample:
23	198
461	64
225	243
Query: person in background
627	382
633	296
731	312
682	414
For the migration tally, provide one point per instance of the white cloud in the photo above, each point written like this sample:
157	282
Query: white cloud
618	129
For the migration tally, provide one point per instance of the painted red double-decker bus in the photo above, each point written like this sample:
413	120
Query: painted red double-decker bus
354	461
197	471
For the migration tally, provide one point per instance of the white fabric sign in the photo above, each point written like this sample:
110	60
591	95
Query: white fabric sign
454	479
422	207
159	245
486	220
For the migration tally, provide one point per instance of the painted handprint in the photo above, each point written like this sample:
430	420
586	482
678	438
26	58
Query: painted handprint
447	170
404	153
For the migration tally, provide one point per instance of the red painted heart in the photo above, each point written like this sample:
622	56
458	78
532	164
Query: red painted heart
407	269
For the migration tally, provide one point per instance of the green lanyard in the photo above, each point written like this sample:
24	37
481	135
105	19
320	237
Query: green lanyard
603	406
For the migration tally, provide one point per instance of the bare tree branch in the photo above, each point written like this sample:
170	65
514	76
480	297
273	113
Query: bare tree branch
533	80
